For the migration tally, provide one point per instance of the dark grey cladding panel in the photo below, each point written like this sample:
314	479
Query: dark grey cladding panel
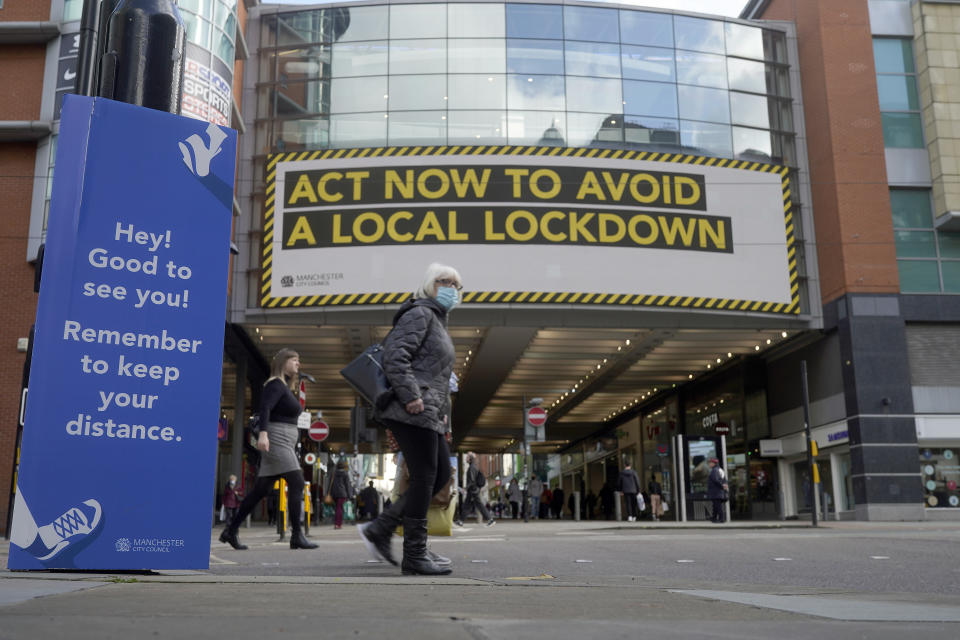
823	375
884	459
930	308
877	489
874	306
882	430
934	352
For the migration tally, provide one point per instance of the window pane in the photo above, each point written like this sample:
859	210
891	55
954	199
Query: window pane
778	81
701	69
893	55
744	41
310	63
299	98
654	133
198	30
709	139
409	93
949	244
475	21
535	56
648	63
593	59
951	276
586	129
302	135
358	94
534	21
911	209
598	95
541	93
477	56
747	75
358	130
359	59
650	98
418	56
752	144
903	130
898	93
698	34
477	127
539	128
697	103
293	28
918	276
640	27
225	50
358	23
589	23
417	127
418	21
749	110
914	244
477	91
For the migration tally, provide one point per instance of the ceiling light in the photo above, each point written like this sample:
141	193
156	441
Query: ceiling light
756	347
718	360
769	340
783	334
598	366
690	376
628	342
619	348
708	365
729	355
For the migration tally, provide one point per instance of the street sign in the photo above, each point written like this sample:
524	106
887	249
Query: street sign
536	416
663	450
319	431
310	459
128	351
722	429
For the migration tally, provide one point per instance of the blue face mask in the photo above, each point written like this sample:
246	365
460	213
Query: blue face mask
448	297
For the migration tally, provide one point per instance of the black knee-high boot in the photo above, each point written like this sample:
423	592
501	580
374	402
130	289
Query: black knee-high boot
416	558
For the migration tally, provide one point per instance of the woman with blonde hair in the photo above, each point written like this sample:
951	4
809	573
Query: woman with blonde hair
279	411
418	358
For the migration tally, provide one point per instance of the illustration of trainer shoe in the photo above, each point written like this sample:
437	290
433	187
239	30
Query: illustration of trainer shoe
76	524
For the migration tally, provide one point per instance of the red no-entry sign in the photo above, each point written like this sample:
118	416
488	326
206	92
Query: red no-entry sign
536	416
319	431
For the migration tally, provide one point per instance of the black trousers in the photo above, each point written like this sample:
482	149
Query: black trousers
631	500
515	508
718	514
262	488
473	499
428	461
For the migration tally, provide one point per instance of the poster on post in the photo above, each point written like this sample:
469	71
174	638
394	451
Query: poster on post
119	443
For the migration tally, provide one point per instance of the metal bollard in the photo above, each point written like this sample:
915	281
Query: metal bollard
576	506
617	508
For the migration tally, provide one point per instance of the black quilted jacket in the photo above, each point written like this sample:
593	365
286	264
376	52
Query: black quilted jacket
418	357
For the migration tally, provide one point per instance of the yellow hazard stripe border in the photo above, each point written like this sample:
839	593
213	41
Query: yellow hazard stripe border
531	297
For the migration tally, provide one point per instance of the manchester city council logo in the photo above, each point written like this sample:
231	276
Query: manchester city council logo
123	544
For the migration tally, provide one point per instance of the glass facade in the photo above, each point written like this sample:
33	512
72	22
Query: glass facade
489	73
928	259
897	89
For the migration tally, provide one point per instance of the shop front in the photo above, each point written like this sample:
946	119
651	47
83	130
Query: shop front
938	438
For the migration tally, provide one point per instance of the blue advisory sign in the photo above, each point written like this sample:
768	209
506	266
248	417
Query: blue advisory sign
120	435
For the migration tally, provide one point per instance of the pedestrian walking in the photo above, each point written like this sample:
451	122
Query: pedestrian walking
278	437
546	500
371	500
418	358
717	490
656	497
534	490
341	490
474	483
514	496
629	485
231	498
557	505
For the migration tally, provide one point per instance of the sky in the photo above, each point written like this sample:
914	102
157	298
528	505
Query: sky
719	7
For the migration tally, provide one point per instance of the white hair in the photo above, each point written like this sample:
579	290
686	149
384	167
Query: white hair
435	271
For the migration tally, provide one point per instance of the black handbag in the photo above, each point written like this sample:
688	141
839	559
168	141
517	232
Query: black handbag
365	375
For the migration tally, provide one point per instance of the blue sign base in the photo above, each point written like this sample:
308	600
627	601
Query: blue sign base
119	443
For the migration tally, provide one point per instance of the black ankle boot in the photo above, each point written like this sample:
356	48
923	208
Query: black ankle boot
416	560
229	535
378	535
300	541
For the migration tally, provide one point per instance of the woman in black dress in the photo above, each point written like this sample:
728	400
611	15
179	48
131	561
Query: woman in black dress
279	410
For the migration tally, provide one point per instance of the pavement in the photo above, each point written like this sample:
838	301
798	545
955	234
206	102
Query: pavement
543	580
